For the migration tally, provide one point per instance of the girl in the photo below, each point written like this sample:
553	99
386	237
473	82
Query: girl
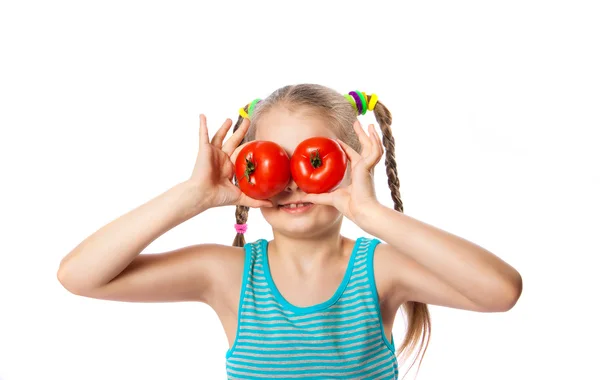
310	303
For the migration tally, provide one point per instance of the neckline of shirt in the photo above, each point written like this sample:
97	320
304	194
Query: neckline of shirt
320	306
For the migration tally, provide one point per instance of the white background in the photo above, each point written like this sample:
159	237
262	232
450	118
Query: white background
495	113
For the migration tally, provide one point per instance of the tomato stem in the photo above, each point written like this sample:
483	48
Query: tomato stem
315	159
250	168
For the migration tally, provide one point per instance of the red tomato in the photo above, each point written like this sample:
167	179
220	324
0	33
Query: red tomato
318	164
262	169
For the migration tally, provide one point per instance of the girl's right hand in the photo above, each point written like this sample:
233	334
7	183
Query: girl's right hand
214	169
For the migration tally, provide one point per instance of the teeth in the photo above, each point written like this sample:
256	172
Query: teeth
295	205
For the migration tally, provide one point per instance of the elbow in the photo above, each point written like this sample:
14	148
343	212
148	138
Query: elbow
515	288
60	275
507	295
66	281
77	283
62	278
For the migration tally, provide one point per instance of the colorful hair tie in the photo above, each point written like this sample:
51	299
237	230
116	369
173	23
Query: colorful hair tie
252	105
361	102
357	101
366	100
241	228
351	100
372	102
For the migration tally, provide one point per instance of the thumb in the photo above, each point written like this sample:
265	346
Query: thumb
322	198
203	131
247	201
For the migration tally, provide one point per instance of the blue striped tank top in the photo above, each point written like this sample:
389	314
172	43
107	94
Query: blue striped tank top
341	338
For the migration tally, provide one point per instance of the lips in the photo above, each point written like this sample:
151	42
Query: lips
295	204
296	208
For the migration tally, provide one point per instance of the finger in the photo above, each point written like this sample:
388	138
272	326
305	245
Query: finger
235	139
254	203
353	155
236	152
321	199
218	138
365	142
376	152
203	130
380	147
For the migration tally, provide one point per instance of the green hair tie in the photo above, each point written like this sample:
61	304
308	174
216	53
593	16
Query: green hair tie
251	106
363	100
351	100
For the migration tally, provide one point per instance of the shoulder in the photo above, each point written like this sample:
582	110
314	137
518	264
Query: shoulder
230	260
224	256
226	266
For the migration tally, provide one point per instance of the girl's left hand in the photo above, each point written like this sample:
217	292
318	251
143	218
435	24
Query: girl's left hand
360	194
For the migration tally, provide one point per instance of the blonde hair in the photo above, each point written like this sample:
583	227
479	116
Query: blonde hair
327	103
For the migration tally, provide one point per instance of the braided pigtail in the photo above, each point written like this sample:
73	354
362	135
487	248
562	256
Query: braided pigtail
417	313
241	212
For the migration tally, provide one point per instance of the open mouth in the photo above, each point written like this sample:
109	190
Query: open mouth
296	207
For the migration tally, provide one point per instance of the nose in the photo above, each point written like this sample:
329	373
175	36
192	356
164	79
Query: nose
291	186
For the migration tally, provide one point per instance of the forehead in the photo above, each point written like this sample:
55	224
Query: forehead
288	128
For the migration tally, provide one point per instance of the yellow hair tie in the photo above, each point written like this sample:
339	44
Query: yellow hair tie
243	113
372	102
351	100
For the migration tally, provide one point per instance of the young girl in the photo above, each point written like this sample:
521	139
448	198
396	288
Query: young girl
310	303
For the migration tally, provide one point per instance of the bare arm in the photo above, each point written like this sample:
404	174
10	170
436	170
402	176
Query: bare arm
420	263
108	263
435	267
104	255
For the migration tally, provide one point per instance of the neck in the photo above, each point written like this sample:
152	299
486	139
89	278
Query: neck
306	251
